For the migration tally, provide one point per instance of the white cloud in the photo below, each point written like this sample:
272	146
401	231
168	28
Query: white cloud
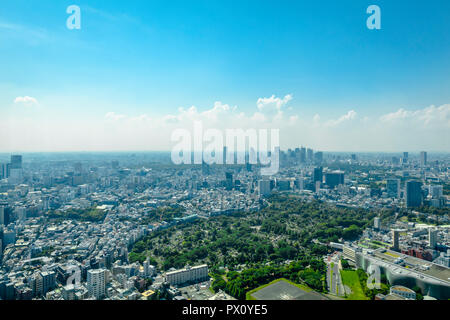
351	115
272	107
26	100
428	116
402	130
112	116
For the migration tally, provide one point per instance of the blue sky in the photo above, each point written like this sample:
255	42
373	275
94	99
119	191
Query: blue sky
133	58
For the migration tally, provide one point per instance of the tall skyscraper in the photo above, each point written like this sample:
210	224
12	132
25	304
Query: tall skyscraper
302	155
229	180
405	158
2	215
317	177
423	158
318	157
309	155
413	194
396	240
16	162
224	154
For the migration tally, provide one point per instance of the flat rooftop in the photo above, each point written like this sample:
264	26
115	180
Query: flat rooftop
414	264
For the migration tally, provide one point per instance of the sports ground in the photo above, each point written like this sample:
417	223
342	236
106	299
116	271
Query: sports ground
283	289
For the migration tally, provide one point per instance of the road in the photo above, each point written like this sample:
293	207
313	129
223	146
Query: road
334	280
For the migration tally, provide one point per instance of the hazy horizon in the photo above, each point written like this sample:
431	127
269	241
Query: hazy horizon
134	73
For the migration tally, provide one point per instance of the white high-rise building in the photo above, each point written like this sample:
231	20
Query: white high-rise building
432	237
376	223
96	281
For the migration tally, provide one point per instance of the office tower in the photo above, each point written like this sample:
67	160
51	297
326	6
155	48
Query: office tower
47	281
318	157
309	155
283	184
297	153
9	237
229	180
376	223
413	194
318	174
302	155
317	177
333	179
264	188
224	155
396	240
432	238
405	158
78	167
96	282
6	169
16	162
423	158
290	153
7	213
2	215
393	188
435	191
300	183
353	157
2	171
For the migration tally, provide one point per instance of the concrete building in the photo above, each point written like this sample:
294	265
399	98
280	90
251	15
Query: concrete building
393	188
333	179
376	223
407	271
264	188
188	275
96	282
396	240
435	191
443	259
413	194
403	292
432	238
423	158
